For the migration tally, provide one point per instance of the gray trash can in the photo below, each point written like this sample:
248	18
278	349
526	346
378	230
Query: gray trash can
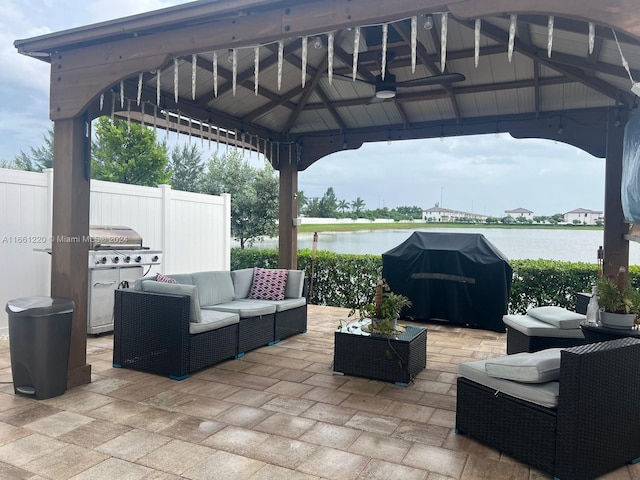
39	341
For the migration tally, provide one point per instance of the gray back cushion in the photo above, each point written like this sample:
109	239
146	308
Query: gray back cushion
295	284
241	282
214	287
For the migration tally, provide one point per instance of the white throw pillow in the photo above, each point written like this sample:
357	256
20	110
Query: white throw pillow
537	367
557	316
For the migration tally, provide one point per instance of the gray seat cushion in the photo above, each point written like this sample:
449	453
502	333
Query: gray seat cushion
177	289
212	320
544	394
244	308
287	303
536	328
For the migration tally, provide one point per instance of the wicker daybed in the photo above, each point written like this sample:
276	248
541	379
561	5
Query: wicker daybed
595	427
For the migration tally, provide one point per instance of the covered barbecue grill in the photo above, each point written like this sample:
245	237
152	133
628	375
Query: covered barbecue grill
459	278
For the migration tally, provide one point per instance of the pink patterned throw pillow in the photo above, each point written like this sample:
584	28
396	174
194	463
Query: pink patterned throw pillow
164	279
268	284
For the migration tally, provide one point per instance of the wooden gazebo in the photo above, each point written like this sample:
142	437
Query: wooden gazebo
299	79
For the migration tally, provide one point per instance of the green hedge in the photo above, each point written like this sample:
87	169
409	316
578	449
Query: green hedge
347	280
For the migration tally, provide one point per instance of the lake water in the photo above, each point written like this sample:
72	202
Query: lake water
515	243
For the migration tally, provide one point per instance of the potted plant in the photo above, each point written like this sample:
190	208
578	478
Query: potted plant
385	312
619	301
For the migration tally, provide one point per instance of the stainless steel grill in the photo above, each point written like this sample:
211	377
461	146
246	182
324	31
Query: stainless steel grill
117	259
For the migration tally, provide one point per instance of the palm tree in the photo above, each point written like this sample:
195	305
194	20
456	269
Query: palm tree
343	206
357	206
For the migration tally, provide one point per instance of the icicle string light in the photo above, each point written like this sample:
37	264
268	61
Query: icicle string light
385	33
175	79
305	45
155	121
128	115
625	64
477	41
356	48
139	88
256	69
414	42
190	125
142	114
592	36
280	61
201	135
443	42
166	119
113	106
194	72
330	40
512	35
234	68
121	93
158	88
101	101
550	36
215	74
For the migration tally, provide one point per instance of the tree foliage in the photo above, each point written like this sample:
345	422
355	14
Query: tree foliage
186	168
254	195
37	159
128	153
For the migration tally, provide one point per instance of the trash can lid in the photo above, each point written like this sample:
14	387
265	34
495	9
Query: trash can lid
39	306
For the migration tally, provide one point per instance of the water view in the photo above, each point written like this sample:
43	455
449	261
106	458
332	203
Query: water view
515	243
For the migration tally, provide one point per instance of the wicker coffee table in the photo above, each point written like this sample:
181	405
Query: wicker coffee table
397	359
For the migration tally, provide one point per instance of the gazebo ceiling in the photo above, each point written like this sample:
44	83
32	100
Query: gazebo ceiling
563	95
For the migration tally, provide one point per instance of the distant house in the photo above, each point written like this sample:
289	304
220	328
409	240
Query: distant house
584	216
439	214
519	213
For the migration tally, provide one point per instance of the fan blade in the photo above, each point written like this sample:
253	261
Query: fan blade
433	80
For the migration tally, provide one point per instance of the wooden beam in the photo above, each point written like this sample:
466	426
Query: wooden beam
287	230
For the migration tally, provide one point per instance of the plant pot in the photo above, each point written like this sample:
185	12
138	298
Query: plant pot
617	320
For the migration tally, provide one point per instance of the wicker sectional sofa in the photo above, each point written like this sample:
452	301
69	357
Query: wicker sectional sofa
592	426
206	317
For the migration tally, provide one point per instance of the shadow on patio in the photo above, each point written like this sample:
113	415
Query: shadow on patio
276	413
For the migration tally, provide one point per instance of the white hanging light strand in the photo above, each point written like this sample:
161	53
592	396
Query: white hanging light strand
142	114
550	36
121	93
256	69
592	36
305	44
155	121
166	119
477	41
201	135
209	136
194	72
443	42
190	125
128	115
414	42
512	35
215	74
356	47
385	33
625	64
234	68
330	39
175	79
158	88
280	61
113	106
139	88
101	101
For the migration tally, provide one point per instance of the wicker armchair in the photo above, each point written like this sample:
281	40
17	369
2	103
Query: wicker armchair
594	429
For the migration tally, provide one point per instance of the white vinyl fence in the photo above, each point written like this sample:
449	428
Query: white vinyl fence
193	230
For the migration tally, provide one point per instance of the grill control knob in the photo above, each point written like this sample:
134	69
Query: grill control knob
127	259
103	260
155	258
138	259
116	259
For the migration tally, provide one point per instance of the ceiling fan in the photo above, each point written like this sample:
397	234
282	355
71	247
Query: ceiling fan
385	89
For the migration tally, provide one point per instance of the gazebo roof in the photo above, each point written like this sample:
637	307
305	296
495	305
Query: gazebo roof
555	84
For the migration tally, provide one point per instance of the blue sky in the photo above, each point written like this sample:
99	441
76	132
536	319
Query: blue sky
481	174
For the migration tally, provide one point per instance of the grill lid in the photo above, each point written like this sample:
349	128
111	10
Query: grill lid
106	237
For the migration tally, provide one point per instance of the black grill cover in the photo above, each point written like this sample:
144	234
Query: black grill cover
458	277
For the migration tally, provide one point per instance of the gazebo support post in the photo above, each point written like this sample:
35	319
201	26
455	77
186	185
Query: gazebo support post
288	214
70	229
616	248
